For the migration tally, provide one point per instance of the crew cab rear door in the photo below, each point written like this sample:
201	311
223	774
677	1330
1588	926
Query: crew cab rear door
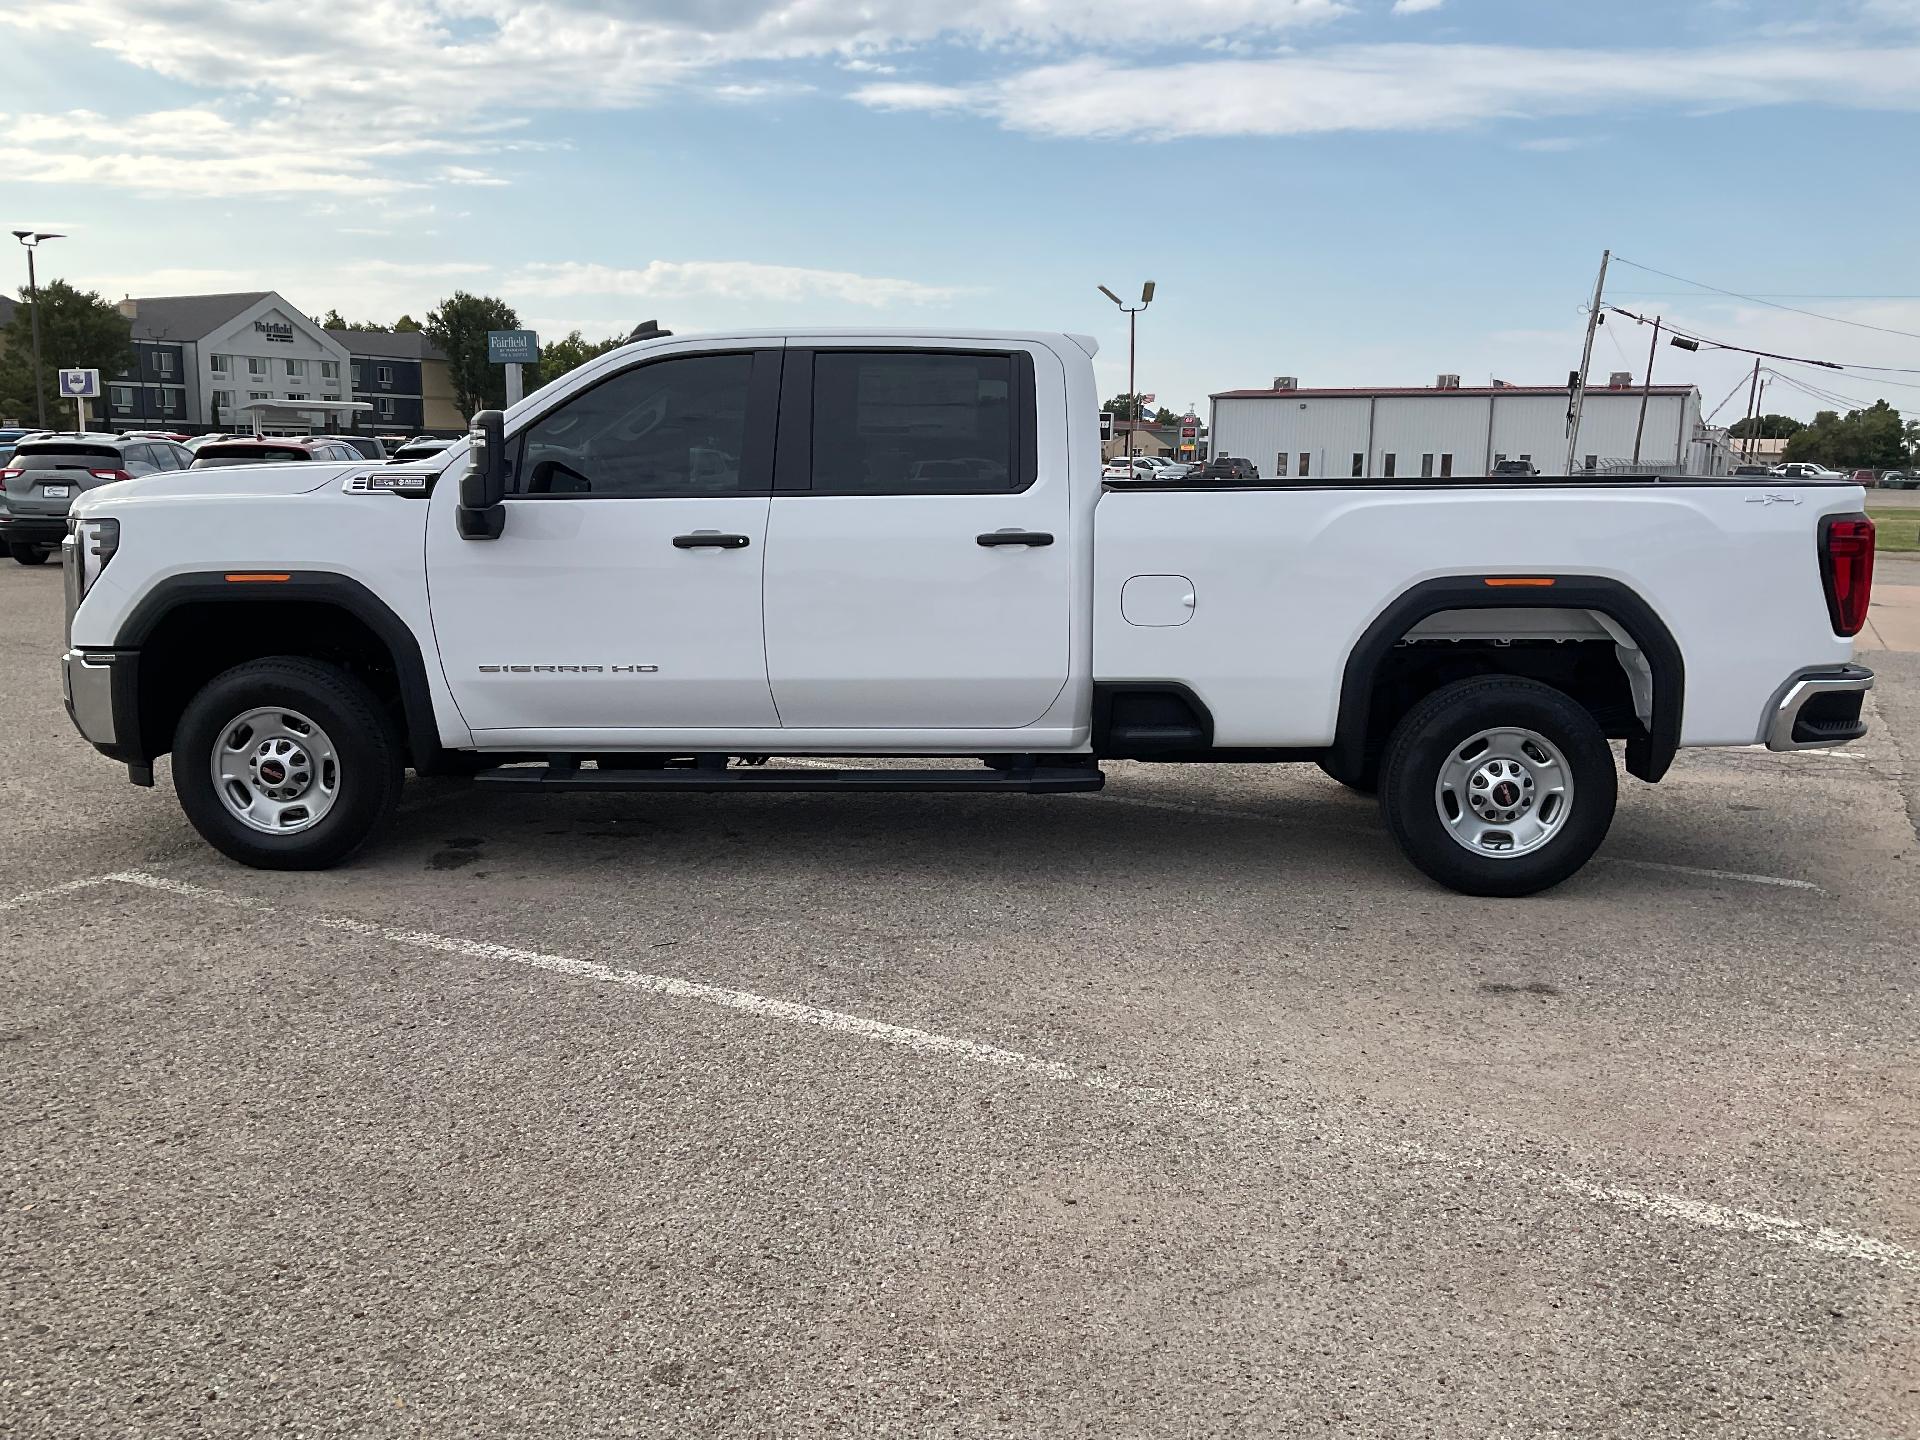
919	557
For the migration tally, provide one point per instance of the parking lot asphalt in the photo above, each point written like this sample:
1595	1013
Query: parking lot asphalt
1186	1109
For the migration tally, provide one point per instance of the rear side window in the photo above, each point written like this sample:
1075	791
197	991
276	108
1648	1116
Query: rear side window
915	423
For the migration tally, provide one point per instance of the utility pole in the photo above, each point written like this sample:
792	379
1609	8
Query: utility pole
1646	390
1753	398
1586	359
30	239
1133	393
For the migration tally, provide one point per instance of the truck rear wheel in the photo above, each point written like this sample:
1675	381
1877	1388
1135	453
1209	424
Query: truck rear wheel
286	764
1498	786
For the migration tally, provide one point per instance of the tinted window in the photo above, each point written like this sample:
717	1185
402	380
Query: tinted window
912	424
211	455
676	427
68	455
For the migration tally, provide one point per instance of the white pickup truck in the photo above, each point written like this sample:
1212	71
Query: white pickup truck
695	553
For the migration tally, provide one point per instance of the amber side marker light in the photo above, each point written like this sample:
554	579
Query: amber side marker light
1502	582
257	579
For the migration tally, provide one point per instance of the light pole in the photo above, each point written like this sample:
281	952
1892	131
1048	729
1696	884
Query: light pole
1130	311
31	238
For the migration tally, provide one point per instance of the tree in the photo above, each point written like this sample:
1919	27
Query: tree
459	327
1874	438
1766	427
79	330
560	356
334	322
1164	416
1124	407
407	323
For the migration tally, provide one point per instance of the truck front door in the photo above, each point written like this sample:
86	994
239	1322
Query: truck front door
919	557
624	594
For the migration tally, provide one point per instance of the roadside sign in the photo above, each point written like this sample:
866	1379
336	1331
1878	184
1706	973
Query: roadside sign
1189	432
80	384
1106	426
512	347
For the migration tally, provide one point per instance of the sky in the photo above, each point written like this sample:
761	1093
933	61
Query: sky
1354	192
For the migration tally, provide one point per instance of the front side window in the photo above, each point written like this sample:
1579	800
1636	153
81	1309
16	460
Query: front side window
359	374
296	369
122	396
329	369
163	360
257	366
385	402
675	427
912	424
223	364
383	374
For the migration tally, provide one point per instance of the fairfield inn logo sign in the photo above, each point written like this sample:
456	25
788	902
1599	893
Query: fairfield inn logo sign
279	331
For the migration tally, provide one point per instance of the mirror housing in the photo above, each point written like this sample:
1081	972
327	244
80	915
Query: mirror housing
482	515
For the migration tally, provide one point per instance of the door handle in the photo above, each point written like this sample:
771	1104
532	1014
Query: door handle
1014	537
710	540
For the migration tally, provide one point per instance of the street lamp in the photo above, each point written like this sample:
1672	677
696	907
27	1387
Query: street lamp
1133	396
31	238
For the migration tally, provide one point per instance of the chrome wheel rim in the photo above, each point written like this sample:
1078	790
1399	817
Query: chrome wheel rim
275	771
1504	792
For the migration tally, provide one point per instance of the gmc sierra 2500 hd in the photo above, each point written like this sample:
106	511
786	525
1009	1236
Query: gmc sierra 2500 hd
846	543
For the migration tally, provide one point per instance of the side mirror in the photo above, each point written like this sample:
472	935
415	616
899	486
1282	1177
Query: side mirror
481	515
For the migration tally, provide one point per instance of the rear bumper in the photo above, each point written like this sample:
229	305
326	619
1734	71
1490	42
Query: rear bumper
32	529
1818	708
102	694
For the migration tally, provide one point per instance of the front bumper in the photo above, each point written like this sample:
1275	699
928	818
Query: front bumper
102	689
1819	708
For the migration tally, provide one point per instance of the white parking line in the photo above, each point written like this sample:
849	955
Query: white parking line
1651	1205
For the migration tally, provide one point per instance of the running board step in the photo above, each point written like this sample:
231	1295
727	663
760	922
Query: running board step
1040	780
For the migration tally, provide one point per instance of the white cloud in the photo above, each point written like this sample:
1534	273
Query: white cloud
1415	7
1411	87
725	280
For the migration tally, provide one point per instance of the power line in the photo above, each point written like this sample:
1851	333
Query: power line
1772	305
1830	397
1776	294
1768	354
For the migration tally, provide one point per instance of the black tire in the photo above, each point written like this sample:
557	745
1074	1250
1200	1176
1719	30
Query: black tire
29	554
370	772
1452	715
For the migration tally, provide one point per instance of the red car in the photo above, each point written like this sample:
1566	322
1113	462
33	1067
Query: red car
1869	478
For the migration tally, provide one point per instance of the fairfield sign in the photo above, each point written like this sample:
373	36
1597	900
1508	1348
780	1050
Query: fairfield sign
279	331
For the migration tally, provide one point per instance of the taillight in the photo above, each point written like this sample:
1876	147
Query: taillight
110	474
1846	566
11	474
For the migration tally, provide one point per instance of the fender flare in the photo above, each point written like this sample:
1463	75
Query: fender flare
1648	755
322	587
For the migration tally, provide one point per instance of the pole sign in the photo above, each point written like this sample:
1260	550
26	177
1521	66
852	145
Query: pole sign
1106	426
512	347
80	384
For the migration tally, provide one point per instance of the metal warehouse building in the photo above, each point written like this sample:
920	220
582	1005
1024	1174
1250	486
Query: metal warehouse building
1409	434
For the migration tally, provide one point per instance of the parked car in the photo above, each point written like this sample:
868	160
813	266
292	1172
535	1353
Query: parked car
1806	470
1900	480
272	450
1751	470
199	440
1509	469
11	437
1037	621
1868	478
46	473
179	437
1228	467
371	447
1125	470
421	449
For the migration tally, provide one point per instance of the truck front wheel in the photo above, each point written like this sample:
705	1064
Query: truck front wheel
286	764
1498	786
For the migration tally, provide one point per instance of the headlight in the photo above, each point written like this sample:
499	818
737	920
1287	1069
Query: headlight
94	542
